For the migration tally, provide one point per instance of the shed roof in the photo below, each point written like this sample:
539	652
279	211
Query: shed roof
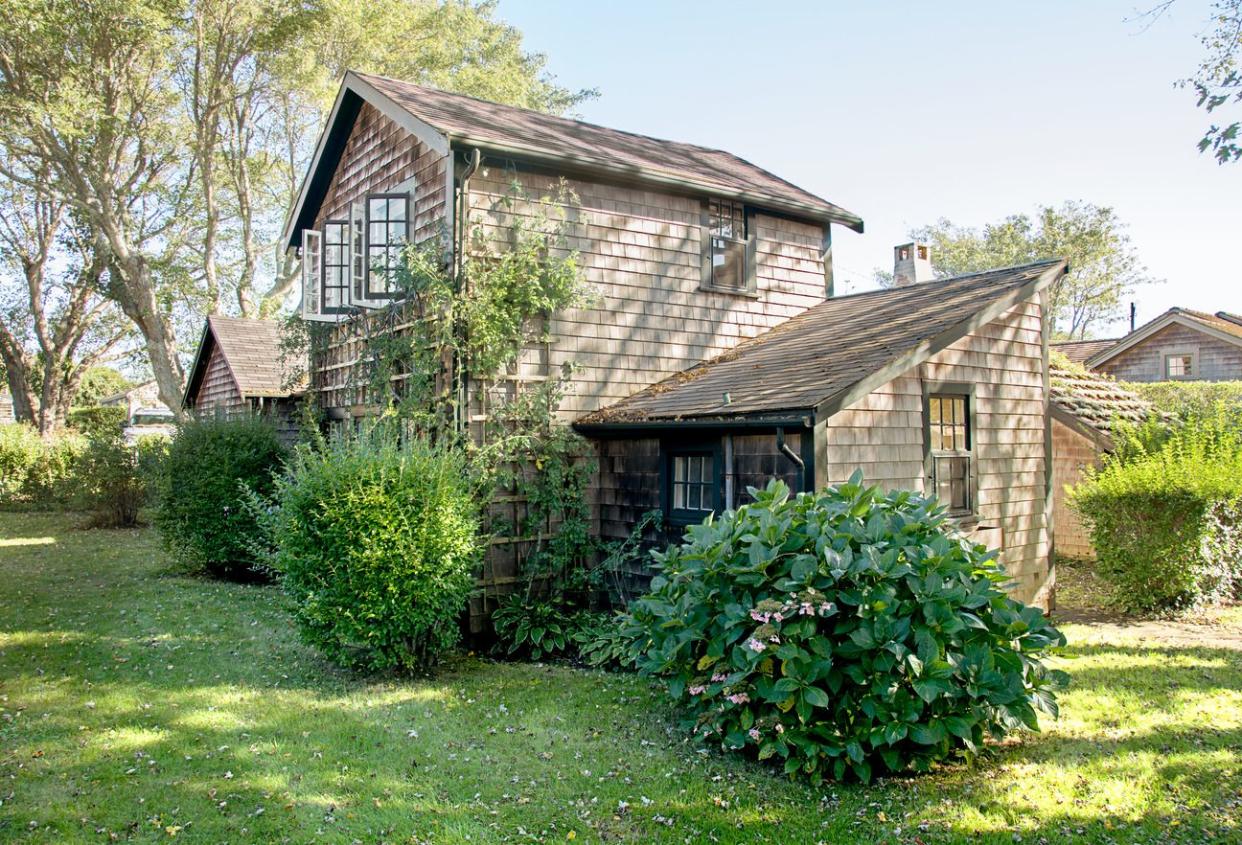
835	352
442	119
251	349
1080	350
1095	401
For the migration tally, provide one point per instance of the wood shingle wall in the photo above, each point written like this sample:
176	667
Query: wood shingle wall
219	393
1072	454
641	254
882	434
1218	360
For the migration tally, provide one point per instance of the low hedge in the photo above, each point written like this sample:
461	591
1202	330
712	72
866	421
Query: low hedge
376	544
840	633
1166	523
37	472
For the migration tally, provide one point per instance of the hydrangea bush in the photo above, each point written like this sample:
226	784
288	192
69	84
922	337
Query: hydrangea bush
843	632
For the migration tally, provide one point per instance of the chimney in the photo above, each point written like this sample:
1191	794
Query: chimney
911	264
1133	316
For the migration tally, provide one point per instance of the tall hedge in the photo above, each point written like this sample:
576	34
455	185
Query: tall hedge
376	543
1166	521
201	512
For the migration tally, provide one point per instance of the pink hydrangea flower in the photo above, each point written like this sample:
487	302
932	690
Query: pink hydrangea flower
739	698
697	690
718	678
754	734
754	645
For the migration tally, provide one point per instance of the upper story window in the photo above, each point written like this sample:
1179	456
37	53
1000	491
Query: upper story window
1179	365
692	491
728	256
950	451
335	266
387	233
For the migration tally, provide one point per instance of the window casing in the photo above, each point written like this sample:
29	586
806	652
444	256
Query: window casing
692	484
1179	365
950	452
387	222
728	247
335	295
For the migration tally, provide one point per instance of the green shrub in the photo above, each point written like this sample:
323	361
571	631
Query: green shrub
1191	399
200	512
1166	522
109	484
376	544
97	420
604	642
846	631
20	448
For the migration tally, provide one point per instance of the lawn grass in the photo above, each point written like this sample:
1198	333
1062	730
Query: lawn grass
141	705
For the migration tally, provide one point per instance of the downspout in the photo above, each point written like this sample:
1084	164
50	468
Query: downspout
784	449
728	471
460	238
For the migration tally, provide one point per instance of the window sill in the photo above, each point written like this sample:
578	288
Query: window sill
748	294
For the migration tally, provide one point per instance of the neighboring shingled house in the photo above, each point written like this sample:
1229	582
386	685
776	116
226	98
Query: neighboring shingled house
714	353
1179	345
237	370
1085	407
1079	351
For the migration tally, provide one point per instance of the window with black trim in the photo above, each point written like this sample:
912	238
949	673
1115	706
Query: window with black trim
335	266
950	450
692	485
727	265
387	232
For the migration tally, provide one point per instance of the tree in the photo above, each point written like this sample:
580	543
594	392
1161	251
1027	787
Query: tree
56	324
99	382
1218	82
178	130
1104	266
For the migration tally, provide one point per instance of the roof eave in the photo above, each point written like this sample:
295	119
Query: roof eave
828	214
793	418
1173	315
927	348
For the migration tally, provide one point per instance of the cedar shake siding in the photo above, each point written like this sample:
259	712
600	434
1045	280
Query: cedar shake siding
1216	359
1072	454
219	393
882	434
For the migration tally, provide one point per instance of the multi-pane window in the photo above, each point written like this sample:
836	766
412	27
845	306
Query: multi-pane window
727	227
692	485
1181	365
948	423
387	227
335	266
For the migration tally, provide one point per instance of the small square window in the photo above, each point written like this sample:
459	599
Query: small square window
1181	365
692	485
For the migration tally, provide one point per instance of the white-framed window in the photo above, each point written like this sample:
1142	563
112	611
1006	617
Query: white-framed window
335	298
1179	365
387	228
950	451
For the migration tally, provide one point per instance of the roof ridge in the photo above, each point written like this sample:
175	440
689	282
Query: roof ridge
964	277
544	114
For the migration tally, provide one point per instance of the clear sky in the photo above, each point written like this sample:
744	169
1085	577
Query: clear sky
907	112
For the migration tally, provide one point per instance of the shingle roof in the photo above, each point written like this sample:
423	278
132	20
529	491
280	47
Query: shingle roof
1095	400
824	352
1080	350
1222	321
489	125
252	350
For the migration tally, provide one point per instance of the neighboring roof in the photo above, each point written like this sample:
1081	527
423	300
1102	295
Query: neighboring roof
1092	403
1080	350
122	395
523	133
1221	325
251	349
833	353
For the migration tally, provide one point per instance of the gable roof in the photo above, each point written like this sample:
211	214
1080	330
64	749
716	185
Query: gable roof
833	353
251	349
442	119
1080	350
1092	403
1221	325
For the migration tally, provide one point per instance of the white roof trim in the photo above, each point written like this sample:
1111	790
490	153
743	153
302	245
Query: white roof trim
1165	320
424	132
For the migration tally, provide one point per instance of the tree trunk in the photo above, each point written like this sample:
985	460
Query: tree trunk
17	371
133	290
